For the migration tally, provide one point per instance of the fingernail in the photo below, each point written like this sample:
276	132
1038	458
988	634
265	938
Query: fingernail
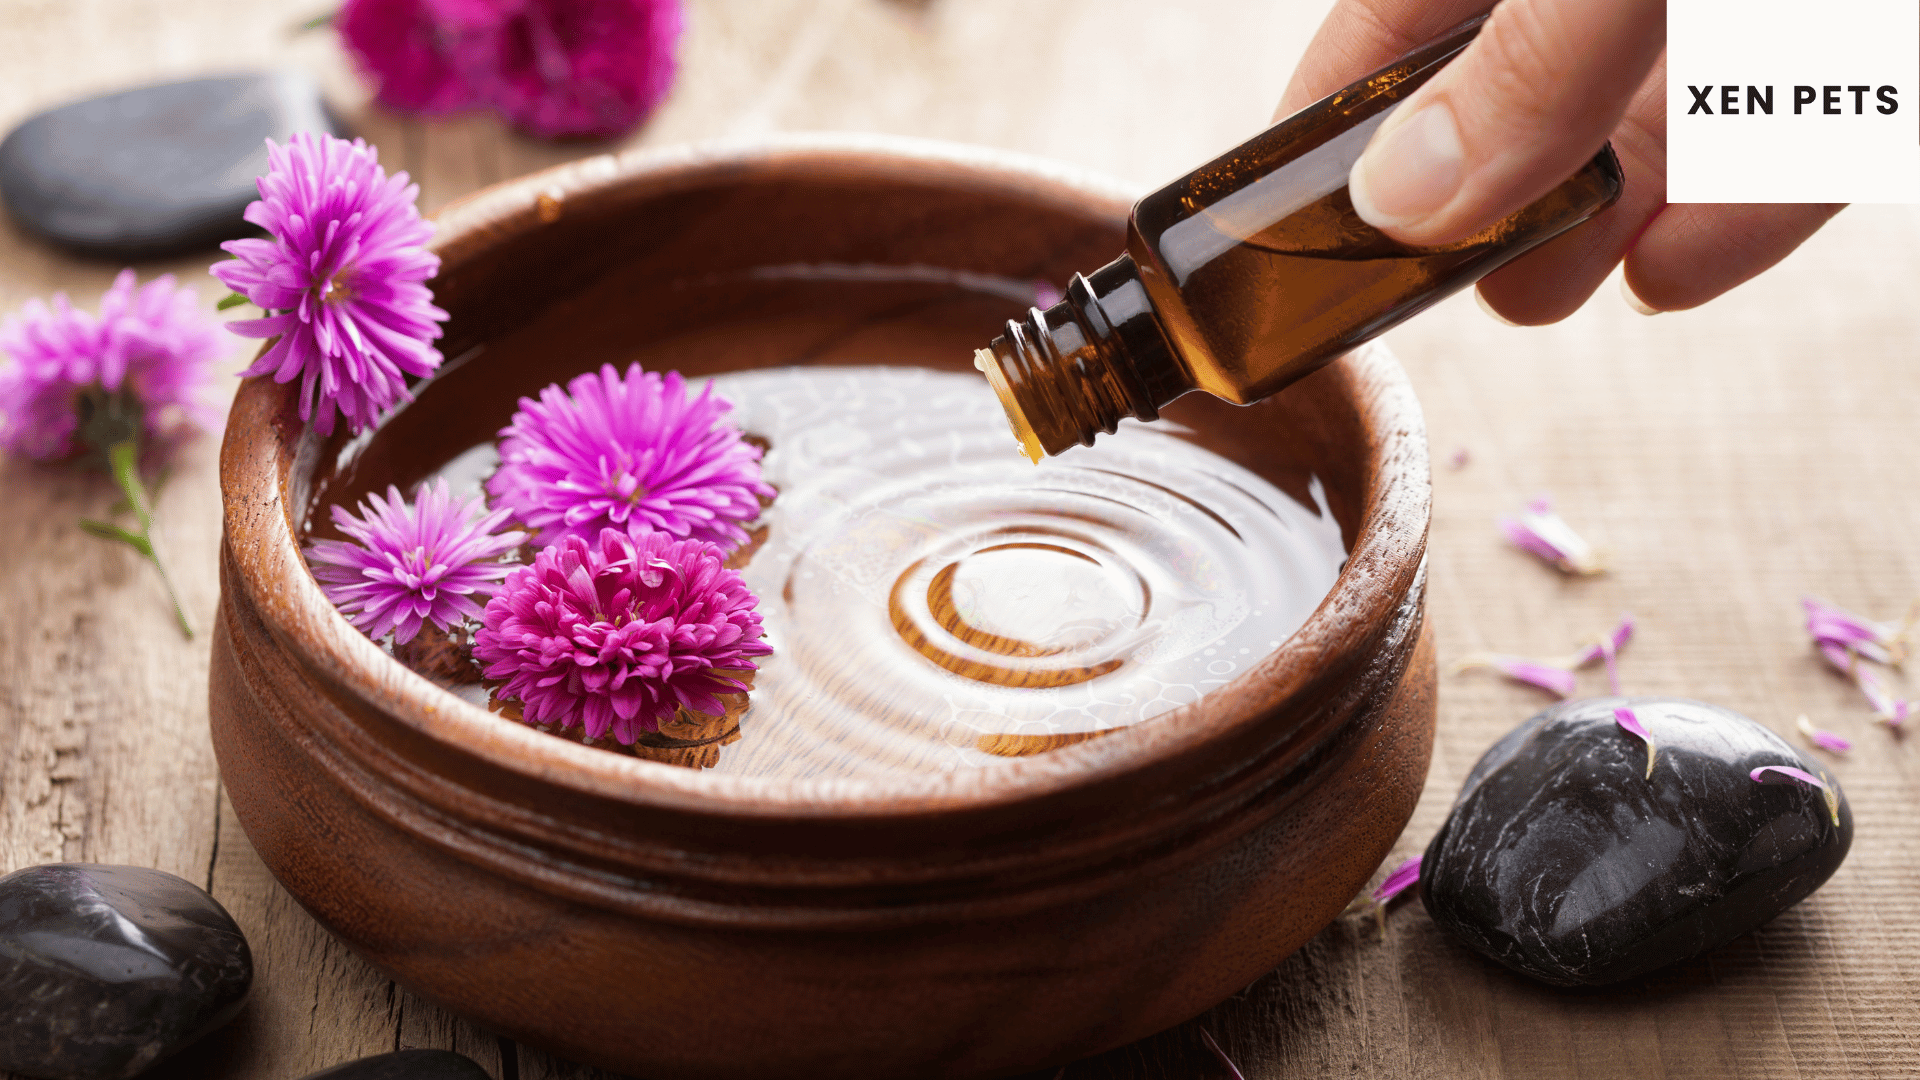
1633	300
1409	171
1488	308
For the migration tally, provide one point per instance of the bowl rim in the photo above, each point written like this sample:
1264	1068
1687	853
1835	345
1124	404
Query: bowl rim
1383	566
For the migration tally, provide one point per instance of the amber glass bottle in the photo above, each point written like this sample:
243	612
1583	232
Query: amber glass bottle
1253	271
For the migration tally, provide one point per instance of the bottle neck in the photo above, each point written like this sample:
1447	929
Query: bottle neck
1075	370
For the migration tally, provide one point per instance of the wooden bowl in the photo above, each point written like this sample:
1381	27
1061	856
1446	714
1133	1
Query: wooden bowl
666	921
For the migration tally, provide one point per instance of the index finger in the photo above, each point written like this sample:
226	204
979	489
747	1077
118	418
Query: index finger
1359	37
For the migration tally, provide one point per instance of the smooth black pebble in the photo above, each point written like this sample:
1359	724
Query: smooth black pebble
154	170
406	1065
1563	860
105	970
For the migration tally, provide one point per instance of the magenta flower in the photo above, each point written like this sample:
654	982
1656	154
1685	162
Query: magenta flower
343	280
620	633
1825	740
138	369
633	453
586	68
426	56
553	68
411	564
1544	533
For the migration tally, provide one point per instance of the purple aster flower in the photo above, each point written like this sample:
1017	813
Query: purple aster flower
430	561
343	280
139	369
633	453
585	68
620	633
426	56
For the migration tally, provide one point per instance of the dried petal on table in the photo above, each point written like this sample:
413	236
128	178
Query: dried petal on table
1544	533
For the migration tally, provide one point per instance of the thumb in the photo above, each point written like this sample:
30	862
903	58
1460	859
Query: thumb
1523	107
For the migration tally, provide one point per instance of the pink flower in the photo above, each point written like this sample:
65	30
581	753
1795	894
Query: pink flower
138	369
425	56
553	68
413	564
586	68
343	280
619	634
633	453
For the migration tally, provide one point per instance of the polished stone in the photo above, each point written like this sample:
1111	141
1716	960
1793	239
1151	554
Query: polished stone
107	969
1564	860
155	170
406	1065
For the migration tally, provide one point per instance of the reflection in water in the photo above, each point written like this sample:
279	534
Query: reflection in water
934	601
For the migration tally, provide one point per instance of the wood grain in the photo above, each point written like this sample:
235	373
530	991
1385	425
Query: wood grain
1732	458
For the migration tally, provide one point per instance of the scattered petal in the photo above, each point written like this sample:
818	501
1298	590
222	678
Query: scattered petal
1546	676
1825	740
1804	777
1891	710
1882	642
1232	1069
1626	719
1404	875
1544	533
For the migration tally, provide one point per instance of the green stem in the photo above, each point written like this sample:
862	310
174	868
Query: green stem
123	459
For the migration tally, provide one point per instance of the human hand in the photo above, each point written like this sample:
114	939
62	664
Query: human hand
1521	109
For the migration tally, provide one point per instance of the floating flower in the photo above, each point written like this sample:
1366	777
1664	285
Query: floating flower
619	633
1556	676
138	369
1825	740
1544	533
1800	776
554	68
413	563
633	453
1632	724
343	280
432	57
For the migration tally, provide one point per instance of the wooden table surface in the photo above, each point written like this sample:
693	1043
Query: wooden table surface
1731	458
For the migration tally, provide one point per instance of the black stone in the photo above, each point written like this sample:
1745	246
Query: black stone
155	170
105	970
406	1065
1563	860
